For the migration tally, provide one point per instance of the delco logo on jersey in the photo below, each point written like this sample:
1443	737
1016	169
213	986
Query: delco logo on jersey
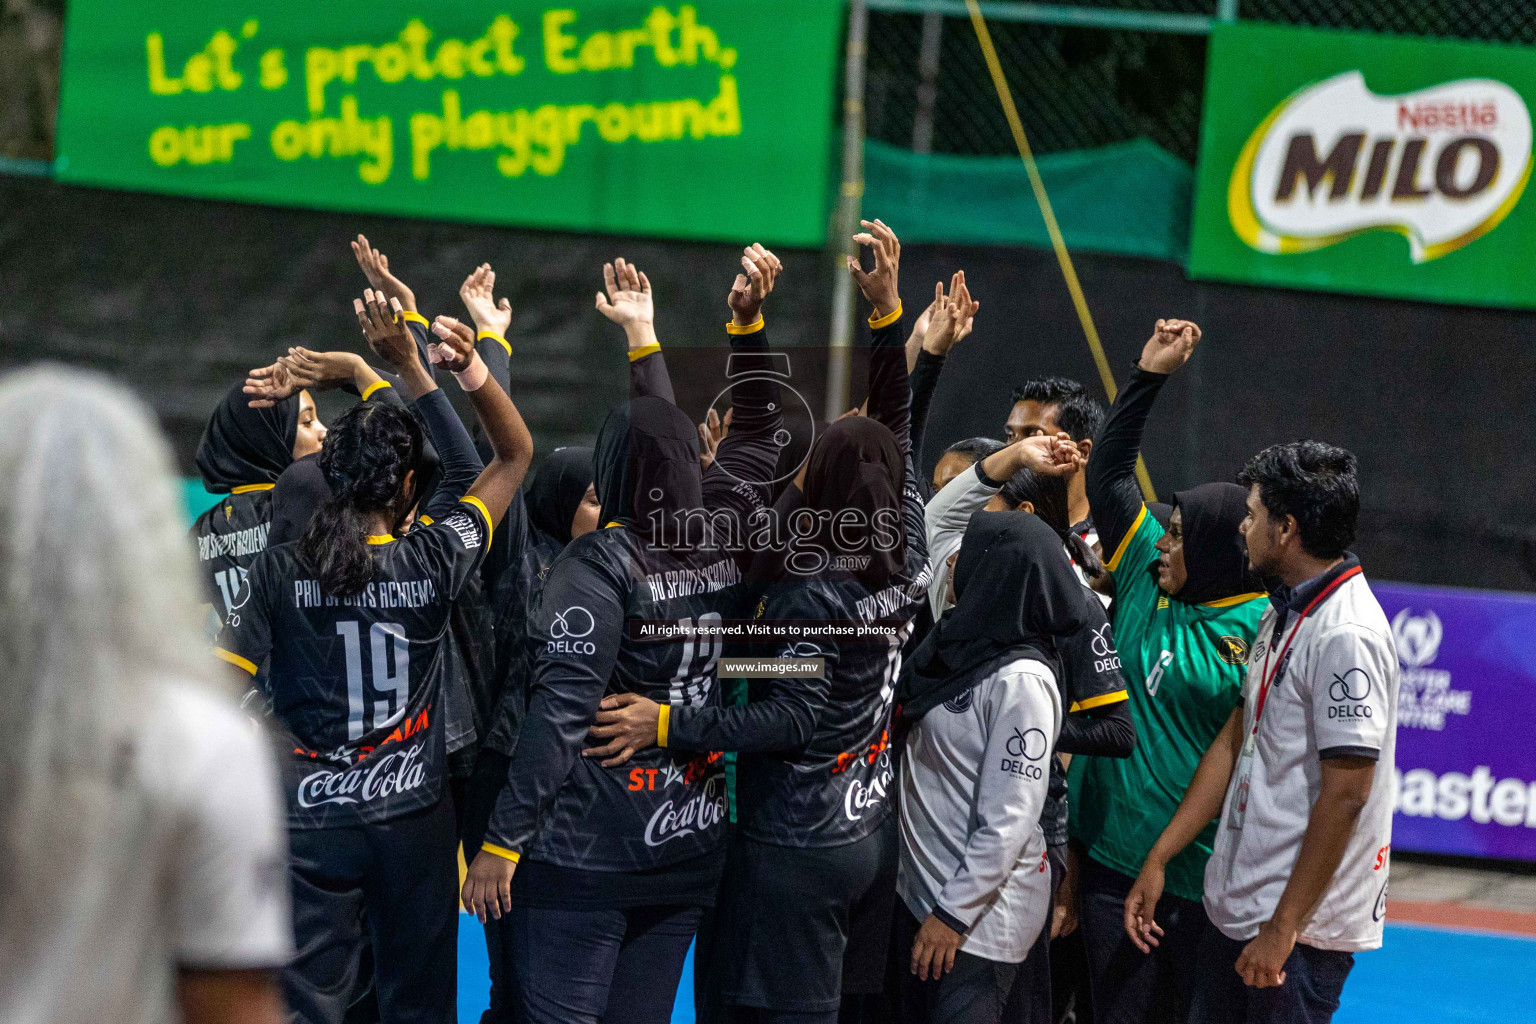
1106	658
1441	166
567	630
699	813
397	772
1025	749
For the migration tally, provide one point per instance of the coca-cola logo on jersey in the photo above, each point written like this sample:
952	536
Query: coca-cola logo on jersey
861	796
699	813
374	779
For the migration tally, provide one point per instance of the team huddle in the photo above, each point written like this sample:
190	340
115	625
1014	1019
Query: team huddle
1054	748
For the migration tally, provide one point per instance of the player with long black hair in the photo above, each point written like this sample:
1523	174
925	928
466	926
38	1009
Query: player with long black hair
354	621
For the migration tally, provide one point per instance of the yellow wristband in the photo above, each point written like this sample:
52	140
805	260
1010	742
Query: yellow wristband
492	334
663	719
413	317
501	851
885	321
375	386
733	328
637	354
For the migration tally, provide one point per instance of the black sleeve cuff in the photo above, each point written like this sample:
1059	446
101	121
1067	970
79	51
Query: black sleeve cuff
1371	753
981	475
950	920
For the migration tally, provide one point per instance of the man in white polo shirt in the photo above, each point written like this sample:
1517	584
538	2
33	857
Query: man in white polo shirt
1303	771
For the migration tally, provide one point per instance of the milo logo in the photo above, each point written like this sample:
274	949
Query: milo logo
1441	166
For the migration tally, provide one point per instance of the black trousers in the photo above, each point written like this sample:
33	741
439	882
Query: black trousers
1129	986
1314	980
975	992
800	928
608	966
404	873
489	777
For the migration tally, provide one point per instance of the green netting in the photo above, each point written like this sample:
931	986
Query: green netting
1130	198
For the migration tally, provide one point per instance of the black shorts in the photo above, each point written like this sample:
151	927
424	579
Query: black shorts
800	927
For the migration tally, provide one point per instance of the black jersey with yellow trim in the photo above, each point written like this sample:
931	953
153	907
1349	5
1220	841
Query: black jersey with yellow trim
664	807
816	766
228	537
357	684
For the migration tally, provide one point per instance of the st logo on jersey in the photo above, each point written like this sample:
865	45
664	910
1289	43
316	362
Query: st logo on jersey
1232	649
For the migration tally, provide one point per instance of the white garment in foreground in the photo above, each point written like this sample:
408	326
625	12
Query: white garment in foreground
1337	696
190	872
973	784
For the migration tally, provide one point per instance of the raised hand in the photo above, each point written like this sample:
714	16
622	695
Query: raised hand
478	294
1171	344
268	385
318	370
455	347
878	285
711	432
384	329
954	315
1051	455
761	270
375	267
627	301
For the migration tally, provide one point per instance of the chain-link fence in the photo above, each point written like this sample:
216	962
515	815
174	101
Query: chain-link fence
1080	86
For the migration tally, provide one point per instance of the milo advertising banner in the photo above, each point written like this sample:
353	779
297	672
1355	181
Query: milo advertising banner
1384	165
1466	760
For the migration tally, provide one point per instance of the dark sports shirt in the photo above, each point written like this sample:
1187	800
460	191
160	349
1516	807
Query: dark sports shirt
358	683
816	767
228	538
663	807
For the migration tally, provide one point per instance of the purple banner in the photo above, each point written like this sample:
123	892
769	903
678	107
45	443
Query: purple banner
1466	721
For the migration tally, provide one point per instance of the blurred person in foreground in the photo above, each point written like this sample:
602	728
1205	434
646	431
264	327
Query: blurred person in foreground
142	859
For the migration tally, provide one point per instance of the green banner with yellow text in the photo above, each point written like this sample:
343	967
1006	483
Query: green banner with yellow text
705	120
1382	165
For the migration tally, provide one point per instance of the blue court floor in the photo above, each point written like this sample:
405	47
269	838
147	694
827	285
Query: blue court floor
1421	976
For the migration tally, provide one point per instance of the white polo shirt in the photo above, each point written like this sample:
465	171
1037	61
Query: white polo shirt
1334	694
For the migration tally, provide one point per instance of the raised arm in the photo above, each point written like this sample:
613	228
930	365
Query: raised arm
375	267
493	319
1110	479
627	300
890	394
511	444
737	481
947	320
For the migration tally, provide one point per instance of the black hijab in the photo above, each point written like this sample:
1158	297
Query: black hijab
646	464
556	490
300	490
1014	592
1215	563
857	465
243	446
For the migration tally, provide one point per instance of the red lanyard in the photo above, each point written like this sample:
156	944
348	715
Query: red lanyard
1267	678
